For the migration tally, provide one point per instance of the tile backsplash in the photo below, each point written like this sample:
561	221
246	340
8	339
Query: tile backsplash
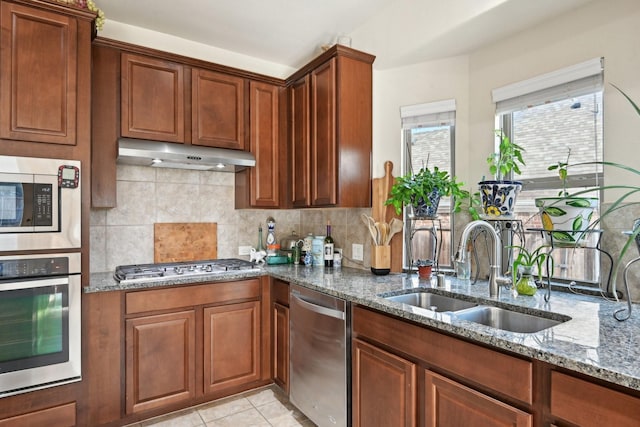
124	235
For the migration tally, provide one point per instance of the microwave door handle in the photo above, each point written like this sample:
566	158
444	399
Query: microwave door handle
325	311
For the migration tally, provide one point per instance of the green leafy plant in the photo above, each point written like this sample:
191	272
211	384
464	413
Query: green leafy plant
620	203
528	259
508	159
475	205
423	262
563	174
410	189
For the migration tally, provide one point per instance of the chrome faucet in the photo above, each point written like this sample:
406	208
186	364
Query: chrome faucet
495	278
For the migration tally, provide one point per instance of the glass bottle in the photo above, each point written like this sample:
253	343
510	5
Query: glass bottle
260	246
328	247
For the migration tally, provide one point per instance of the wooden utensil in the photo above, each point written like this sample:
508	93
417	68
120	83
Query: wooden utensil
395	226
370	223
380	212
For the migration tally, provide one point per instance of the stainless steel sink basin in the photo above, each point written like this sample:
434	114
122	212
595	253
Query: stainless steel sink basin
431	301
507	320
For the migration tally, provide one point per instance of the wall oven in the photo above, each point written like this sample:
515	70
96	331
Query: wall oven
40	203
39	321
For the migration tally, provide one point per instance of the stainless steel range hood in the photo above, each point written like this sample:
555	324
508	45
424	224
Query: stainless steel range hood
181	156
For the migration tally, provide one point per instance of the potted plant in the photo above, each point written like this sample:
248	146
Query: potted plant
499	195
424	268
630	190
565	217
522	269
422	191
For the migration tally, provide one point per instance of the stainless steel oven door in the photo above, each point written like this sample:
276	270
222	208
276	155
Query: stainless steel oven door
39	333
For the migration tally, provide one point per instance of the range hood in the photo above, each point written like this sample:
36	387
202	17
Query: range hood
180	156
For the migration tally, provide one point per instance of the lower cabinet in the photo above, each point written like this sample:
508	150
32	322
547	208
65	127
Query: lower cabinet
448	403
231	345
384	387
404	374
190	344
57	416
281	346
160	360
575	401
280	333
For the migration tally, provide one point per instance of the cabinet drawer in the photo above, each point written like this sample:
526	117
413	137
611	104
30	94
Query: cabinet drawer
172	298
58	416
484	367
587	404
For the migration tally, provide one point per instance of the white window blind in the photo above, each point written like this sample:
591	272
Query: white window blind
569	82
440	113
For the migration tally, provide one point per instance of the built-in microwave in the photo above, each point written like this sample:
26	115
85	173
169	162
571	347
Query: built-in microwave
40	203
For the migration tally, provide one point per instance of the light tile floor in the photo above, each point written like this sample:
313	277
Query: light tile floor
263	407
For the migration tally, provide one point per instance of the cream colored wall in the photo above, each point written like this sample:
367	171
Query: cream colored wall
165	42
416	84
602	28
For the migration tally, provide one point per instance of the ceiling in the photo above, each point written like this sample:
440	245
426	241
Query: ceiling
290	32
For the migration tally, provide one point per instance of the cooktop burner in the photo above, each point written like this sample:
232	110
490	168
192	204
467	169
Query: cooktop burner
167	271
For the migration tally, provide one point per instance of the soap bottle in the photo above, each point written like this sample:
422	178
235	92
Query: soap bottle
271	236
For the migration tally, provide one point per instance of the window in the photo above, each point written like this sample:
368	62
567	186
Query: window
428	135
552	123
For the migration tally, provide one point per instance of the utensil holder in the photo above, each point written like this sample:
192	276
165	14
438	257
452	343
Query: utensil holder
380	260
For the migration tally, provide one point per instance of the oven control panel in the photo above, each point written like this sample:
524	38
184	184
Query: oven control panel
33	267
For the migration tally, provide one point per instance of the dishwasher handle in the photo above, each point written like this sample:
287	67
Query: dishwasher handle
325	311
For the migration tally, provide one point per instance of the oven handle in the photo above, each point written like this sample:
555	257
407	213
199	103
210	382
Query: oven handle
38	283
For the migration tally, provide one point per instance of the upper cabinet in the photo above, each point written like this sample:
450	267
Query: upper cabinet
260	186
218	109
43	53
155	92
331	130
152	99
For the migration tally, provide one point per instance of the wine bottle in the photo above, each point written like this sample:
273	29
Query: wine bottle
328	247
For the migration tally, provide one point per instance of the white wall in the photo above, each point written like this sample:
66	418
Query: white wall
416	84
165	42
602	28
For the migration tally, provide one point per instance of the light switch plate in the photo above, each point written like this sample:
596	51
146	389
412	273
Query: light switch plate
244	250
357	252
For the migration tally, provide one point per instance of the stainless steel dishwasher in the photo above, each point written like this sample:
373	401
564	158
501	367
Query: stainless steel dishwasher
319	353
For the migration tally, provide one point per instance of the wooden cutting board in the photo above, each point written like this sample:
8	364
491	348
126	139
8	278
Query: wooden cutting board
185	241
381	188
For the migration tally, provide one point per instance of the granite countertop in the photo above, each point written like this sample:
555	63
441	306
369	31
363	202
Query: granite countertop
592	342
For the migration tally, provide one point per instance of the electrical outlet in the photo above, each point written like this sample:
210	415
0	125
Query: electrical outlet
244	250
357	252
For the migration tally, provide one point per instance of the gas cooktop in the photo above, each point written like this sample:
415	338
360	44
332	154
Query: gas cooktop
167	271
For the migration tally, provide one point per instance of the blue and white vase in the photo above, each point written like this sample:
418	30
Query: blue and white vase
499	198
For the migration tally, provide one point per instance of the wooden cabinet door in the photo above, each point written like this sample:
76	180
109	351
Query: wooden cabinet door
160	360
281	346
384	388
152	99
450	404
586	404
38	77
264	145
218	110
300	143
231	345
323	135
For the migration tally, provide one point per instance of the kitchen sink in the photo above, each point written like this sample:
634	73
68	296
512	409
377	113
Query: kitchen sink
507	320
431	301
